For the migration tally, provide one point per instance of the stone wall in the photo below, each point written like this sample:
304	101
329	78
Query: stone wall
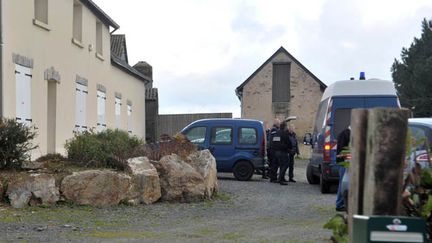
305	97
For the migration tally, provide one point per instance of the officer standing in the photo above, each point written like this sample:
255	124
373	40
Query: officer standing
273	166
280	145
292	152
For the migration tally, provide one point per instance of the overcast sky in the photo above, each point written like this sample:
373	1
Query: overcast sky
202	50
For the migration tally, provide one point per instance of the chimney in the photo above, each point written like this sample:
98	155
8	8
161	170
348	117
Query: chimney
144	68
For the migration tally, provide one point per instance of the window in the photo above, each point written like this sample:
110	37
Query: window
80	107
41	10
77	22
221	135
23	78
118	112
99	38
197	135
101	98
281	82
247	135
129	116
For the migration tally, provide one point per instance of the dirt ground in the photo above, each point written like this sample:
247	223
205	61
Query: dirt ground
253	211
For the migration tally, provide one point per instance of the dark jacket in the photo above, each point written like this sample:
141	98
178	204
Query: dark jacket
343	140
294	144
281	141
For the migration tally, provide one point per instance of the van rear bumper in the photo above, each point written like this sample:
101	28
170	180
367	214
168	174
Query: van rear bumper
258	163
330	172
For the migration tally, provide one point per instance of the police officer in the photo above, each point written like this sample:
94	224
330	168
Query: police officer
292	152
280	145
273	163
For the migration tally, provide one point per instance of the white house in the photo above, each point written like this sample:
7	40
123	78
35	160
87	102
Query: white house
57	72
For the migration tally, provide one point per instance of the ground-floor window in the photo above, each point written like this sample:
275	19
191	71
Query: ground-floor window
129	117
81	92
101	99
23	77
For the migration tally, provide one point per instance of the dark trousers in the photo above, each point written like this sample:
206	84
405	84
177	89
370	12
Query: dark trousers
273	165
283	161
291	166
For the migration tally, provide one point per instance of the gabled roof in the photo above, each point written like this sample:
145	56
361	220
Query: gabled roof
118	47
100	13
239	89
127	68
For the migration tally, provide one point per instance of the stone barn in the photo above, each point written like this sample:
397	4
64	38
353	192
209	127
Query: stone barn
279	88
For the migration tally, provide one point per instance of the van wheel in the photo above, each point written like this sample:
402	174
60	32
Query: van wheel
243	170
311	178
324	185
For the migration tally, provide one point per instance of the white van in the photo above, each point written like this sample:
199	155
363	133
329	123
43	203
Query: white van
334	115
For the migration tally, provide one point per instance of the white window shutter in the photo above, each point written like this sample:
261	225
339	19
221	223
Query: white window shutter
23	78
129	118
118	112
101	98
80	106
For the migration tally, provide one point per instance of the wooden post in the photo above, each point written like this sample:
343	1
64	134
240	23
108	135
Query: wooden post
359	122
385	154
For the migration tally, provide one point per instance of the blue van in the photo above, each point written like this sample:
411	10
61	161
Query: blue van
334	115
238	145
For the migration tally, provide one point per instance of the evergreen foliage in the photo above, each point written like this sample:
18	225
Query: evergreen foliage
413	74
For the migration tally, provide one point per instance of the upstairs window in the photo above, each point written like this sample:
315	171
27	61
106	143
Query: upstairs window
99	38
77	22
41	11
281	82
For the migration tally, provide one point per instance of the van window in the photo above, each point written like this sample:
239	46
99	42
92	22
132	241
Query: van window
221	135
322	110
419	137
196	135
343	118
247	135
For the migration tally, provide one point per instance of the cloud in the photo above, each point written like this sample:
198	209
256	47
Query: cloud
202	50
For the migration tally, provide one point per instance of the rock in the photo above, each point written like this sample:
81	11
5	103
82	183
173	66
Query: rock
179	180
32	189
2	191
32	165
145	180
96	187
204	162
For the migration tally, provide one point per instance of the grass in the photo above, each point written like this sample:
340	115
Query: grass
123	235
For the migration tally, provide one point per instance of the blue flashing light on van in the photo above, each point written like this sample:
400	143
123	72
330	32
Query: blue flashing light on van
238	145
334	115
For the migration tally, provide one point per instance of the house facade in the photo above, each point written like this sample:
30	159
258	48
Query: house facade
58	73
279	88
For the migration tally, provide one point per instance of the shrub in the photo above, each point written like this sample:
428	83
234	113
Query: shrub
15	143
109	149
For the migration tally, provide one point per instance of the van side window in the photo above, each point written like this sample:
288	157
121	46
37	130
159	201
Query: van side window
221	135
322	110
247	135
418	136
197	135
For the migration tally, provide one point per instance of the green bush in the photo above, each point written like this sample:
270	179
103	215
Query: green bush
15	143
108	149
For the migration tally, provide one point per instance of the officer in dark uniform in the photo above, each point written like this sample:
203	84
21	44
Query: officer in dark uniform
273	163
280	145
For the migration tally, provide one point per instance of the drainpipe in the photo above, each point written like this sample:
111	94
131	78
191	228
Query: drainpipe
1	59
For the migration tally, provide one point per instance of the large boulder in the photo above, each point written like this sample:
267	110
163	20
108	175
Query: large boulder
204	162
2	190
96	187
145	180
32	189
179	180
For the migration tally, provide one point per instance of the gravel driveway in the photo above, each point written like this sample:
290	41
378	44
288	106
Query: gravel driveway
253	211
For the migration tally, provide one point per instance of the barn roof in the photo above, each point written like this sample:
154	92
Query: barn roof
239	89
